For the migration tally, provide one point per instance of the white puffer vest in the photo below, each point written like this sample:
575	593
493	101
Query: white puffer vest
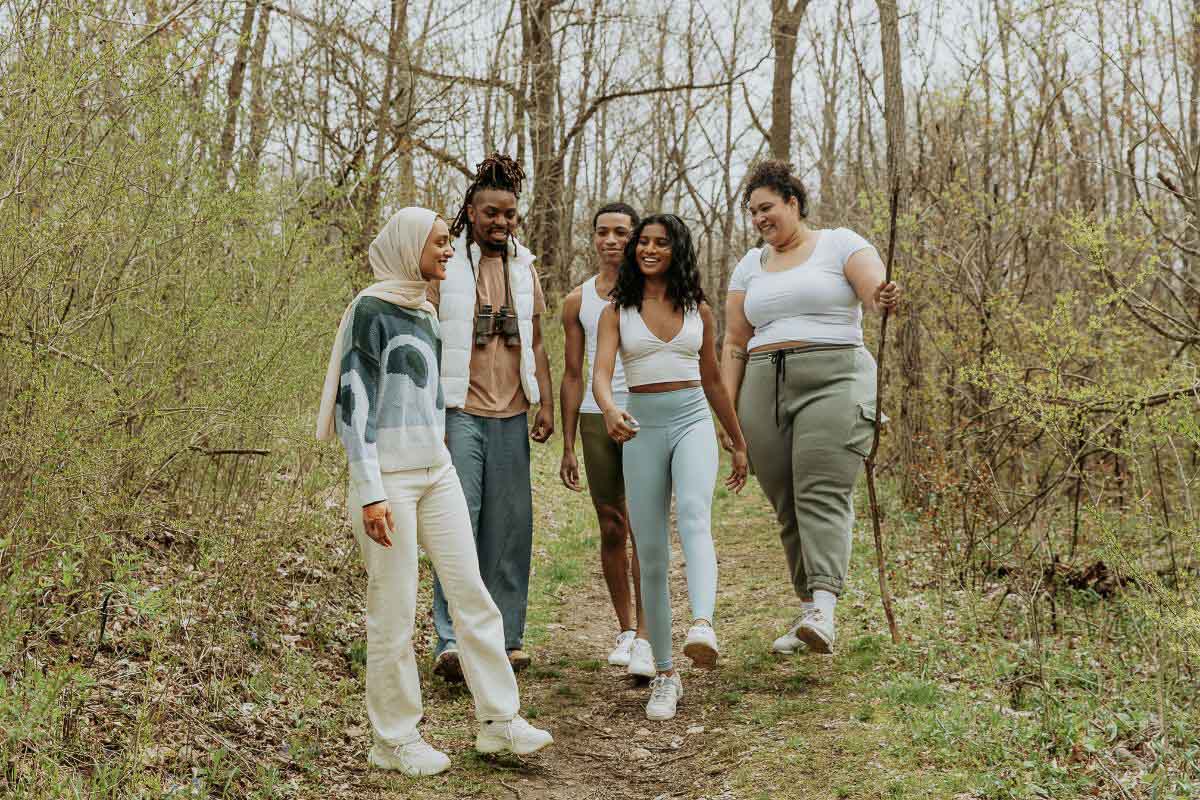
456	310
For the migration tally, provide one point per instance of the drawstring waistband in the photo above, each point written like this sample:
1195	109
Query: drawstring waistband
779	359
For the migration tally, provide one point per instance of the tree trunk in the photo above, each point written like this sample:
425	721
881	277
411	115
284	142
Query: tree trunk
785	24
237	78
830	75
545	212
910	420
384	126
258	100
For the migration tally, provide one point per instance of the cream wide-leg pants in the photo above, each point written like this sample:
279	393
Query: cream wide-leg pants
429	508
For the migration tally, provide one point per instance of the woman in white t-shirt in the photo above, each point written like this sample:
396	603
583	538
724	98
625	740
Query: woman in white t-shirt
804	384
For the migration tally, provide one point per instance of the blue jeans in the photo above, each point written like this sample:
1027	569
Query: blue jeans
491	457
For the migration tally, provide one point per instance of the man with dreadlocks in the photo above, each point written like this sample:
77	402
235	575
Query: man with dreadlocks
493	369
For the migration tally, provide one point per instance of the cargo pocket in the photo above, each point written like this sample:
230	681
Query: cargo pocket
862	430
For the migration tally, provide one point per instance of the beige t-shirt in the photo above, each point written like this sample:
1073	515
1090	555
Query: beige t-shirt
495	386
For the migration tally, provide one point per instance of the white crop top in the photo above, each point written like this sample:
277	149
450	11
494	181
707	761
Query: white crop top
812	302
589	317
649	359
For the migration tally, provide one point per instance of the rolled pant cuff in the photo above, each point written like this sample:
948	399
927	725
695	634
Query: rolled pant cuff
496	717
408	738
667	667
825	583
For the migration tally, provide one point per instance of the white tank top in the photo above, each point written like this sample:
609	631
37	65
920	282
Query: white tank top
649	359
589	317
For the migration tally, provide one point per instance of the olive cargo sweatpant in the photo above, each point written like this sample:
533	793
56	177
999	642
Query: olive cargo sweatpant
808	416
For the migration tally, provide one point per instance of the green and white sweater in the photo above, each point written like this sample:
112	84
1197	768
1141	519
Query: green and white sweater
390	413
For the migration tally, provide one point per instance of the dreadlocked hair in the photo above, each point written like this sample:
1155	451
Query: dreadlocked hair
497	171
683	275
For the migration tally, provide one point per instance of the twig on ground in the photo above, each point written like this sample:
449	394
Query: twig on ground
512	789
596	728
103	624
585	754
680	757
1114	778
230	452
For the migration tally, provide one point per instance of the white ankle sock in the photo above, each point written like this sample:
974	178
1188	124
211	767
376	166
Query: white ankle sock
825	602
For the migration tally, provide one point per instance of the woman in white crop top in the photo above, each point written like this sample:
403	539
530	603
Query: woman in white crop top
804	384
665	333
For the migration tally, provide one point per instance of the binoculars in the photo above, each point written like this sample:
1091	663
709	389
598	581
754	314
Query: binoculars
502	322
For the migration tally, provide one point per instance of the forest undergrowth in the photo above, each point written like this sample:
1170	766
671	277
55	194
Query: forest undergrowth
181	602
226	660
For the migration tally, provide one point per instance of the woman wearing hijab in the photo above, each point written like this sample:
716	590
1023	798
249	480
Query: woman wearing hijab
383	397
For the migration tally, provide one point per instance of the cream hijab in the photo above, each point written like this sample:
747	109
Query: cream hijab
396	261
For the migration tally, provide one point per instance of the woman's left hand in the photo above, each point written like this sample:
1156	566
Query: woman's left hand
741	468
378	522
887	296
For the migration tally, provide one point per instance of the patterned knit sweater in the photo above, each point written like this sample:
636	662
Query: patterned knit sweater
390	412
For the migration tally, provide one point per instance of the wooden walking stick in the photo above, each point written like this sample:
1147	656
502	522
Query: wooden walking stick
889	40
885	594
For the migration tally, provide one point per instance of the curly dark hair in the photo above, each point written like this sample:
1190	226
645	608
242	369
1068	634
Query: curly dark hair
777	176
683	275
497	171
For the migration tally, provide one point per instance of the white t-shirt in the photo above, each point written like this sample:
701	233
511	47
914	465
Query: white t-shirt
812	302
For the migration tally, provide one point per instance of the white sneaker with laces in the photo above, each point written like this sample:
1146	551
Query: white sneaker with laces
619	657
513	736
414	758
641	659
816	630
701	646
790	642
665	692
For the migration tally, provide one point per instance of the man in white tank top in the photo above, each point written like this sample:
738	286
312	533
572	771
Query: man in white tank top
611	227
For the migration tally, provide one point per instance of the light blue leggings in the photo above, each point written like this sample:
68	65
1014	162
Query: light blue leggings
676	447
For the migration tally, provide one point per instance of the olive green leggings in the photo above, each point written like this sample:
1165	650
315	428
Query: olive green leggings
808	416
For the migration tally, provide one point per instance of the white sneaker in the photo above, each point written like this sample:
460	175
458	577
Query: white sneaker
641	659
790	643
664	697
514	736
414	758
619	657
701	646
816	631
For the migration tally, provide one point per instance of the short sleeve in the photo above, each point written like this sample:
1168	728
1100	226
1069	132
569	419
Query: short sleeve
539	297
746	268
849	243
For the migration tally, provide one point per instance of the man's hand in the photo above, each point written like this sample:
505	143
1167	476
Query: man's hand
568	471
378	522
543	424
726	441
